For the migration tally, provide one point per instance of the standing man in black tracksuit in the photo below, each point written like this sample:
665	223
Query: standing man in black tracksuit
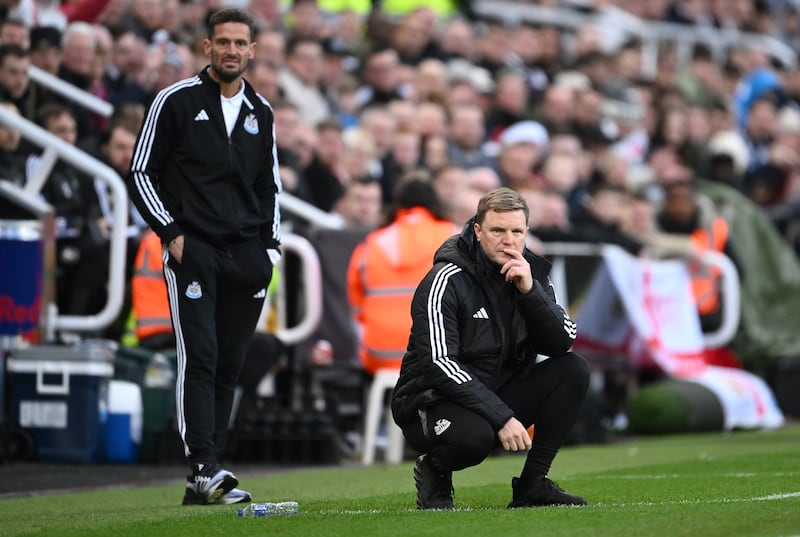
205	177
470	379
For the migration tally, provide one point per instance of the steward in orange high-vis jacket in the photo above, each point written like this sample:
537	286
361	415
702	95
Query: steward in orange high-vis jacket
384	272
149	292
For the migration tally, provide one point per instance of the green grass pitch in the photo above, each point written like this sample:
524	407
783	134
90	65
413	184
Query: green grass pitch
745	483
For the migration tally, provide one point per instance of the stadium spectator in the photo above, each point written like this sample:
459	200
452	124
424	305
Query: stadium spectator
761	129
14	31
449	181
360	206
430	81
467	135
405	155
12	165
457	40
300	80
605	215
336	54
79	227
413	37
683	213
124	76
494	47
509	103
78	50
266	12
434	153
271	47
381	79
561	174
45	49
15	85
359	155
483	179
382	126
145	18
431	119
304	19
325	176
521	147
555	111
264	78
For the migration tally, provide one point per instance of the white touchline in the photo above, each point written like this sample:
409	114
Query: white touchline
699	476
771	497
778	496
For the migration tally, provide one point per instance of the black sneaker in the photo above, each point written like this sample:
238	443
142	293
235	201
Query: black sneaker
543	493
434	489
190	497
211	482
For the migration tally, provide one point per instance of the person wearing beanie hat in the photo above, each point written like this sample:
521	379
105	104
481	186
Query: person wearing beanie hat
45	48
728	158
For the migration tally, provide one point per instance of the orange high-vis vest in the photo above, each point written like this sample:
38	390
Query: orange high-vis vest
705	279
384	272
148	289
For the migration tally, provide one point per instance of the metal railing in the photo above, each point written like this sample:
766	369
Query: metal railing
652	33
71	92
312	290
559	252
55	148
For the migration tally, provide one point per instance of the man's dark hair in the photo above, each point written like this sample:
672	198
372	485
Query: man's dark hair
415	189
128	117
501	200
49	111
11	49
231	15
295	41
702	52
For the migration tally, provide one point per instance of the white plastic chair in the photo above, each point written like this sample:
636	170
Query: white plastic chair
383	381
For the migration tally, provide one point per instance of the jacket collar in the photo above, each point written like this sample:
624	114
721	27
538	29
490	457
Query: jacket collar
464	250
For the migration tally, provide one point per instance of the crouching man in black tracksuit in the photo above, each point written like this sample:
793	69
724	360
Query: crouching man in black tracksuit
204	175
470	380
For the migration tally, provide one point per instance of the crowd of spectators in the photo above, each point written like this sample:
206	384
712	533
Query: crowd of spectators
365	94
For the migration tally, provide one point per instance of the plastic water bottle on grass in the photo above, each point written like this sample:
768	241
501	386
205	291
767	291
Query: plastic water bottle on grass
268	509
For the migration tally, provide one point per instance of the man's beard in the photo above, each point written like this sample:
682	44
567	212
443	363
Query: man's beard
229	76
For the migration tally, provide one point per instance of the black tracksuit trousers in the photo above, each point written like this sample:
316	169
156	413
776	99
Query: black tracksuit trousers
215	296
548	395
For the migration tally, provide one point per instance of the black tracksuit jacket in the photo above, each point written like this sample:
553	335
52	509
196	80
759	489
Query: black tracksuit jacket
188	176
472	331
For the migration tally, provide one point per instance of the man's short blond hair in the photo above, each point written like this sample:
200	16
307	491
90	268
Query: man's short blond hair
501	200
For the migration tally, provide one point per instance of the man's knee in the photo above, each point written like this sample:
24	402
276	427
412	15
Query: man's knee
463	449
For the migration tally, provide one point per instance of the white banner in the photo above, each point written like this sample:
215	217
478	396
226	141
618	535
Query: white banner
645	309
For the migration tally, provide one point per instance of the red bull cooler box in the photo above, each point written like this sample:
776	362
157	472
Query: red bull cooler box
60	395
21	277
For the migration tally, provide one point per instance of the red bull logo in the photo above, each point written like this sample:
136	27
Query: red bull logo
20	285
12	313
